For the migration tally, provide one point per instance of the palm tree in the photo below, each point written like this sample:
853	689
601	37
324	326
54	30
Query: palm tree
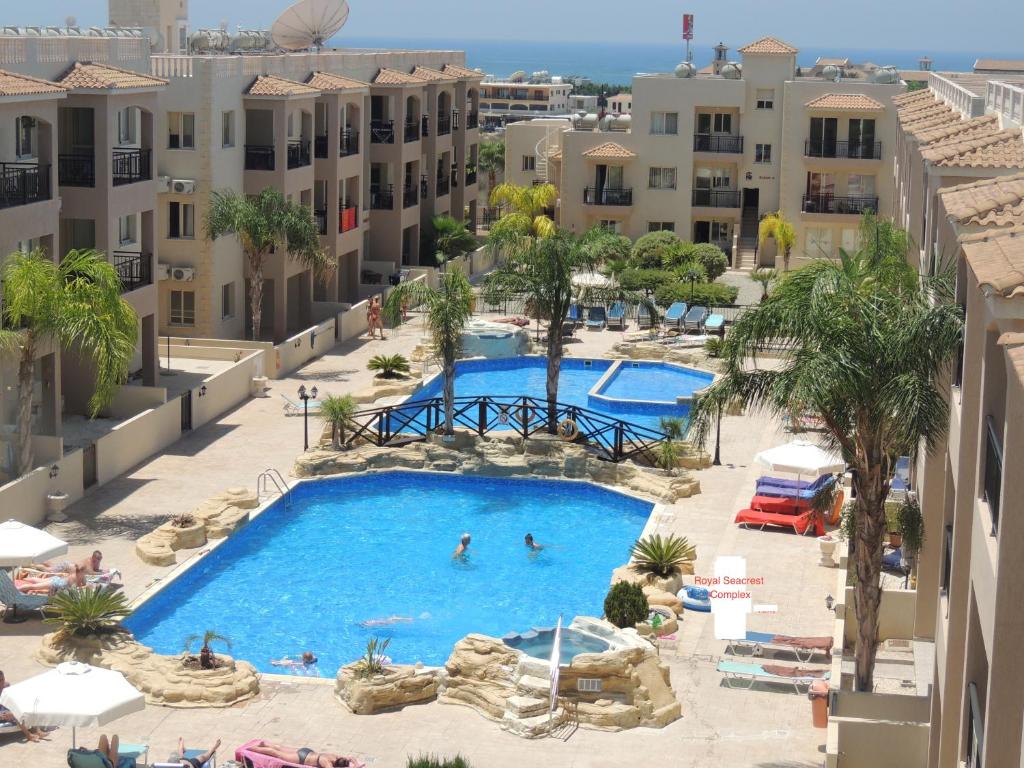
207	659
776	226
765	277
525	215
75	303
451	239
491	158
338	411
264	224
864	344
448	308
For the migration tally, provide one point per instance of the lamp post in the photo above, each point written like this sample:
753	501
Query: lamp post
718	437
305	397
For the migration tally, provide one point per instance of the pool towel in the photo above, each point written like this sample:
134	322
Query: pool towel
250	759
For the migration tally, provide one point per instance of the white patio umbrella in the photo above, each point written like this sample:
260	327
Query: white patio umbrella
73	694
590	280
21	544
801	457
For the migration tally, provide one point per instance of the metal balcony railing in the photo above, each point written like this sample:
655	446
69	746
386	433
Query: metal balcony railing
76	170
826	203
130	165
993	471
704	142
608	196
259	157
135	270
443	186
349	143
716	198
347	220
320	216
854	150
23	183
382	132
382	197
320	147
410	195
444	125
472	120
298	154
412	131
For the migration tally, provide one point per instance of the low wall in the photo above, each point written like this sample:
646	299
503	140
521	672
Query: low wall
130	401
893	707
896	614
302	347
46	449
135	440
353	322
24	499
870	743
225	390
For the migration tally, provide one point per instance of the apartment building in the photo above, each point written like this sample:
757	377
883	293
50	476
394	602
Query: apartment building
706	155
520	97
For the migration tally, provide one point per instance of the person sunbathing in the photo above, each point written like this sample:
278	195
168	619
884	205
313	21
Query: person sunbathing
305	756
90	565
199	761
49	585
6	716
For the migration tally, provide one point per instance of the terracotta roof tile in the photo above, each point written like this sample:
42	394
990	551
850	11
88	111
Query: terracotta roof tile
1013	343
394	77
844	101
610	150
433	75
13	84
1000	149
272	85
930	134
933	122
997	259
996	202
1004	65
770	46
456	71
328	81
913	97
103	77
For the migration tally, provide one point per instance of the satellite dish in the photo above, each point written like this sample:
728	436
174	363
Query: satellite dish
309	24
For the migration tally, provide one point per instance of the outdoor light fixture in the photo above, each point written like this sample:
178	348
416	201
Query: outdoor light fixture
305	397
829	601
298	343
54	471
202	391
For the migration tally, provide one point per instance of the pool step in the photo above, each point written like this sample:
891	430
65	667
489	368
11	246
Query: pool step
528	685
532	727
526	706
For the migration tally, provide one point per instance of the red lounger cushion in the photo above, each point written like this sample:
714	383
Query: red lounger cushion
799	523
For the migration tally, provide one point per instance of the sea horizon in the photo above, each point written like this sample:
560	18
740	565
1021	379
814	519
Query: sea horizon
617	63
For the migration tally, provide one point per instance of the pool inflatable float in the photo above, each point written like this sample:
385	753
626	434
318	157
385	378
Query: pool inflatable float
695	598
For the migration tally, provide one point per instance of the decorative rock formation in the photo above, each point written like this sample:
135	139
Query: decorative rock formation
165	680
656	596
217	517
387	388
669	584
397	687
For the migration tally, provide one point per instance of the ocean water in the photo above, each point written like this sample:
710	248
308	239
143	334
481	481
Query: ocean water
616	63
363	548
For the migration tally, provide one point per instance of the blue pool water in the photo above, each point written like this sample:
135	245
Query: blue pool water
366	547
540	644
654	381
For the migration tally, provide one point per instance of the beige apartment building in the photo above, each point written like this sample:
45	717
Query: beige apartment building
706	155
522	96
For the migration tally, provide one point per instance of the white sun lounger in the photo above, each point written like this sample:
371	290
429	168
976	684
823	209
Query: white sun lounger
757	642
291	408
741	675
13	598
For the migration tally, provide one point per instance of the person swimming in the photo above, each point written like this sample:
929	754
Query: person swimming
460	551
532	545
305	664
385	621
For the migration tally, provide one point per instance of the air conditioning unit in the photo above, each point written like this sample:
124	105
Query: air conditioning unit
163	183
183	186
183	274
163	272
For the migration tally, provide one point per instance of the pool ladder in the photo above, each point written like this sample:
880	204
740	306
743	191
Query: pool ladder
272	476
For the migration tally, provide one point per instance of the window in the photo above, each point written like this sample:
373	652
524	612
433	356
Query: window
227	301
818	242
860	186
664	123
529	163
947	560
975	729
610	225
661	226
862	137
713	178
126	230
183	308
181	220
227	129
850	239
765	99
662	178
181	129
762	153
714	122
719	232
126	126
24	129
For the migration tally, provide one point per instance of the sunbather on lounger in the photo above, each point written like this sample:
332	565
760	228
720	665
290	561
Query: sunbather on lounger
199	760
6	716
305	756
90	565
49	585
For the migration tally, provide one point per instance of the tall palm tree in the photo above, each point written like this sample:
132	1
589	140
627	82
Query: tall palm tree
451	239
75	303
264	224
491	158
526	211
448	308
776	226
864	345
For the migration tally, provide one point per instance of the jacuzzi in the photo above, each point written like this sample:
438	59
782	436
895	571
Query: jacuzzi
584	635
481	338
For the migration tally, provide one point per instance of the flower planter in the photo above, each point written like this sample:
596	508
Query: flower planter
827	546
397	687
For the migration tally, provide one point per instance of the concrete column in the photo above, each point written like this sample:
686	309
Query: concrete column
150	353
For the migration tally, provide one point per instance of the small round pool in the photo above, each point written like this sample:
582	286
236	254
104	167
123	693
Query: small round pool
539	642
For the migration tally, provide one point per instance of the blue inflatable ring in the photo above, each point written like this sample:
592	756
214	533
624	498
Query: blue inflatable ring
695	598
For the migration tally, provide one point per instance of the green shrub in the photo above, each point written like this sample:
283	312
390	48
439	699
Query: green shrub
87	611
662	556
432	761
645	279
389	366
704	294
713	346
712	258
651	250
626	604
373	661
691	269
911	525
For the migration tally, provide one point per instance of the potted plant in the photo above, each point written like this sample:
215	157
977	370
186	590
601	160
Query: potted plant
87	611
822	503
338	412
626	604
664	560
373	661
910	523
389	366
207	659
188	531
892	524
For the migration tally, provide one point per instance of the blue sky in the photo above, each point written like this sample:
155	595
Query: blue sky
938	25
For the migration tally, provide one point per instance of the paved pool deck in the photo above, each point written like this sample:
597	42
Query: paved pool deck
720	726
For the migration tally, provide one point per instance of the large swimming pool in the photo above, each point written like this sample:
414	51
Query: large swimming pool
307	572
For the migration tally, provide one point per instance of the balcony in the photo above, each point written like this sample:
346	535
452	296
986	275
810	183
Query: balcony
349	143
382	198
444	125
320	217
130	165
852	205
412	131
410	195
259	157
703	142
472	120
443	186
425	125
23	183
716	198
134	270
382	132
470	176
347	218
608	196
852	150
320	147
298	154
993	471
76	170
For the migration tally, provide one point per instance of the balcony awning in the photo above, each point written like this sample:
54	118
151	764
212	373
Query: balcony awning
997	259
386	76
997	202
433	75
462	73
14	85
328	82
87	76
997	149
610	151
845	102
280	87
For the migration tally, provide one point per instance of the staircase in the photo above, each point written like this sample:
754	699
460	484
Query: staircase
747	251
544	149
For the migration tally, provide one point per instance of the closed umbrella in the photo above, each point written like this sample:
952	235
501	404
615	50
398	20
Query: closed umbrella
801	457
73	694
21	544
555	668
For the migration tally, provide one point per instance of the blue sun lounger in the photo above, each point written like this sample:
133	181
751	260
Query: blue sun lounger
617	315
741	675
694	319
575	315
714	324
596	318
674	315
756	642
644	318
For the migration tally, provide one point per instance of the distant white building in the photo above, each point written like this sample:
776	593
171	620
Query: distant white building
579	102
521	97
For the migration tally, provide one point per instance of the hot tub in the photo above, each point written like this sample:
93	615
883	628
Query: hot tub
539	641
481	338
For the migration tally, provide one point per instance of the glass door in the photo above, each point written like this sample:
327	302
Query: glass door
823	136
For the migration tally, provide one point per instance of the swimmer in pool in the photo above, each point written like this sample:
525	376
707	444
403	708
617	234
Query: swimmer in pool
386	621
308	659
532	545
460	551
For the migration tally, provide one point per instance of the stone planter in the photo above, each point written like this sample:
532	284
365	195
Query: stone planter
397	687
189	537
671	584
827	546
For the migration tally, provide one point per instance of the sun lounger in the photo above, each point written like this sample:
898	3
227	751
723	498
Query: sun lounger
596	318
174	762
617	315
694	320
741	675
803	647
714	324
900	483
644	318
13	598
251	759
791	489
8	728
291	408
674	314
801	523
575	315
93	758
138	752
893	561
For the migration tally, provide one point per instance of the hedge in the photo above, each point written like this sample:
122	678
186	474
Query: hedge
651	250
645	279
704	294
